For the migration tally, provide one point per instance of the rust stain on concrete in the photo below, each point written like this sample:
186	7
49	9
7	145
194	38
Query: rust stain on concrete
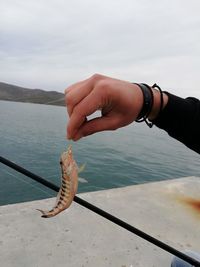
192	203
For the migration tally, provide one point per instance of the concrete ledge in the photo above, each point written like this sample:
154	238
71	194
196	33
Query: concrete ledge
167	210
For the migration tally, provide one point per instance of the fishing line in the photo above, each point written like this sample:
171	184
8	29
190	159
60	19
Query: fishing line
21	100
26	182
104	214
54	101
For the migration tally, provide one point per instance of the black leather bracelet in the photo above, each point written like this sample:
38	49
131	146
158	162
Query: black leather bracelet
147	103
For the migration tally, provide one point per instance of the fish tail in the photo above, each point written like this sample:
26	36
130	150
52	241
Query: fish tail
47	214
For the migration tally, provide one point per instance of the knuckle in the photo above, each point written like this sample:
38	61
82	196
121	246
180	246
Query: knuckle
66	91
103	84
69	99
96	77
103	88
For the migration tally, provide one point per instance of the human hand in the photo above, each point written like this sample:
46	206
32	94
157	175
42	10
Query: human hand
120	103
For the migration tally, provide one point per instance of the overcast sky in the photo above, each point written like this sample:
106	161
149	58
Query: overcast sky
50	44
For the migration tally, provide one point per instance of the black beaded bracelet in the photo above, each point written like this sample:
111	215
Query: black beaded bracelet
147	104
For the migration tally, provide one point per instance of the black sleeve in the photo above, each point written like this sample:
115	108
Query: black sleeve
181	119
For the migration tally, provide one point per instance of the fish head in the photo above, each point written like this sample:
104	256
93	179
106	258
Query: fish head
66	158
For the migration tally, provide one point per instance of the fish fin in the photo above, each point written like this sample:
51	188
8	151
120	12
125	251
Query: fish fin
81	168
82	180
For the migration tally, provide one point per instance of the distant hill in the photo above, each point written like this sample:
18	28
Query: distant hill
19	94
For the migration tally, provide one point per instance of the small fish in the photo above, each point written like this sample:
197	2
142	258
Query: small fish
69	184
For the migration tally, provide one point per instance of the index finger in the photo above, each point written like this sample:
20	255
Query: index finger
86	107
76	92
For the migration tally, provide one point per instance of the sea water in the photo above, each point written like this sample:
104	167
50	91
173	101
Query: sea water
34	136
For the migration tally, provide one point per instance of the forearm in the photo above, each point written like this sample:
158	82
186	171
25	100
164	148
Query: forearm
179	117
123	102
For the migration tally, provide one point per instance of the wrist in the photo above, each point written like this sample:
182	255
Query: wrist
147	102
154	101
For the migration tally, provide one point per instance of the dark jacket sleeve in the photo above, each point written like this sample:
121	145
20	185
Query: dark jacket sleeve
181	119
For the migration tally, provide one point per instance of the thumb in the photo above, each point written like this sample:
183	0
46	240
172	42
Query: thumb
97	125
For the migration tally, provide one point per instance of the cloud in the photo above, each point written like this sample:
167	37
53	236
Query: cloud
51	44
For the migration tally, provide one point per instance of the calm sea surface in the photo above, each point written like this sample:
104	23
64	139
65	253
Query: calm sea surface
33	136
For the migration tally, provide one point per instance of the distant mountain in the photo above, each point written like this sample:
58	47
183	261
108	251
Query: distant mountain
19	94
